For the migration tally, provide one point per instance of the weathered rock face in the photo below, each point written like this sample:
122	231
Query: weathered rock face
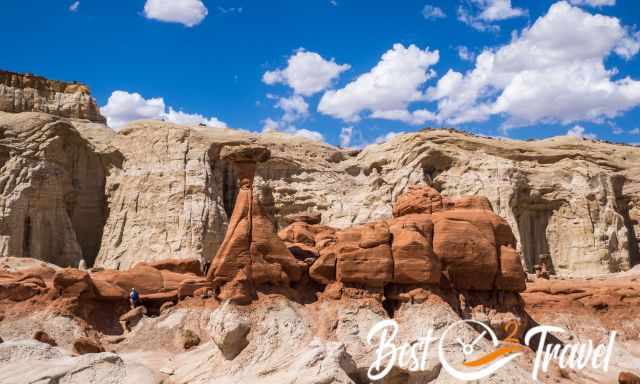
52	187
29	93
171	198
566	197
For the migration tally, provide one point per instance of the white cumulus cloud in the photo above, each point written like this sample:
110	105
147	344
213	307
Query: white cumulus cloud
187	12
465	53
387	89
482	13
593	3
123	107
74	6
270	125
294	107
579	132
552	71
431	12
182	118
306	73
388	136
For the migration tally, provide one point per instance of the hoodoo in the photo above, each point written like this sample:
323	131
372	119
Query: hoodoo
251	254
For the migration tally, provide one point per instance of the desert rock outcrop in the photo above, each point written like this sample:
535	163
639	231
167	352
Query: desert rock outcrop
429	235
29	93
52	190
251	253
157	191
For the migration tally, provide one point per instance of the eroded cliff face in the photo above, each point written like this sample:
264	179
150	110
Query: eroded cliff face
28	93
51	190
171	198
569	198
170	194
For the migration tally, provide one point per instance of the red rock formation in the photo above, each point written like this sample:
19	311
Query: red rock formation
413	257
429	234
251	254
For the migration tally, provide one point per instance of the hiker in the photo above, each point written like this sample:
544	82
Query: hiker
134	298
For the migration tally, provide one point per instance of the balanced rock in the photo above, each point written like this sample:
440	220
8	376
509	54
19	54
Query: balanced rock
251	253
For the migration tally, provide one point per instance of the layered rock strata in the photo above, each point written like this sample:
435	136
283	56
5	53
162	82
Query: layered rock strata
52	190
28	93
571	202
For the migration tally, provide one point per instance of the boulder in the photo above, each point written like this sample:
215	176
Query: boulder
84	345
43	337
229	329
71	282
298	232
414	261
323	270
472	202
188	339
511	276
369	266
131	318
18	287
467	250
628	378
418	199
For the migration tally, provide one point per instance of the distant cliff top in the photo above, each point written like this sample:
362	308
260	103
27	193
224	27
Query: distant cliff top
28	80
25	92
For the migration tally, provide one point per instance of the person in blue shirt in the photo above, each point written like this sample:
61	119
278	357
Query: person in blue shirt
134	298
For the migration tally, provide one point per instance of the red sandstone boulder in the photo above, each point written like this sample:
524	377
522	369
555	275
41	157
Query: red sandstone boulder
369	266
363	255
628	378
511	276
71	282
418	199
323	269
44	337
472	202
466	246
20	286
298	232
178	265
413	258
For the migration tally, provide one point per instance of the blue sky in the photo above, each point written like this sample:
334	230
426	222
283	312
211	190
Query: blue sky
351	72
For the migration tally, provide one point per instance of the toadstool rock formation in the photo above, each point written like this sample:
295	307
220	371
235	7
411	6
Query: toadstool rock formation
251	254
